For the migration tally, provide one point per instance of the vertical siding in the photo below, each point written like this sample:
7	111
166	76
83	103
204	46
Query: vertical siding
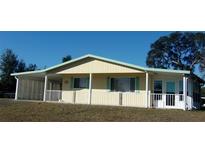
105	98
95	66
30	89
81	96
67	96
134	99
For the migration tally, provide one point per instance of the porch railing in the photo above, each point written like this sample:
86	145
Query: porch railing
53	95
175	101
167	100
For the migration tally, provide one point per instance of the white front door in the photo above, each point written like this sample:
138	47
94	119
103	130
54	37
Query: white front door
170	94
156	98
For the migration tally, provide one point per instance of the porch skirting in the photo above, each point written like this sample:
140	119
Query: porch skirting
105	98
127	99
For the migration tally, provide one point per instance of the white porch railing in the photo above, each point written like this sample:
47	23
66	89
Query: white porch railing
167	101
53	95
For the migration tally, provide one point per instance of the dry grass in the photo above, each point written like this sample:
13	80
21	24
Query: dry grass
49	112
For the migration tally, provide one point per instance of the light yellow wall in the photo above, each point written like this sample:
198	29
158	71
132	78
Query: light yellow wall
68	96
134	100
99	88
100	80
105	98
67	92
101	71
91	65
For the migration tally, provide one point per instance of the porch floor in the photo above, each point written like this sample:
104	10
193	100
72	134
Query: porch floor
50	112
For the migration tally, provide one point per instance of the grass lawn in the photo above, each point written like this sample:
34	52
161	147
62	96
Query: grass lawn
49	112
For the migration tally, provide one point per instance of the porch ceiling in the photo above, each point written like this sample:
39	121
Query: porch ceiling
41	76
32	75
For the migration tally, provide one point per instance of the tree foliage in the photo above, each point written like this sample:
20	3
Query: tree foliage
31	67
179	50
21	67
9	63
202	64
66	58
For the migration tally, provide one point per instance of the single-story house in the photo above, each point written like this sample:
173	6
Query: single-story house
100	81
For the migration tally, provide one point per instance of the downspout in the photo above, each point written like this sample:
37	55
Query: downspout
147	89
17	86
185	91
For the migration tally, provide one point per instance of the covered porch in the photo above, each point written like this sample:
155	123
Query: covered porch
122	89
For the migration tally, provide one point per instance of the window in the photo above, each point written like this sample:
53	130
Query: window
81	82
123	84
158	86
158	90
170	87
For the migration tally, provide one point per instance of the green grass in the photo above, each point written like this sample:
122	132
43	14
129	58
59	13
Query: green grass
11	111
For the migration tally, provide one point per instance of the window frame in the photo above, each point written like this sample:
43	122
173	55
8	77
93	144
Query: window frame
131	89
80	78
161	86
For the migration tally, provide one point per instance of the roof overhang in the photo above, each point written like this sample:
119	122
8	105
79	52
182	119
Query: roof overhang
194	76
159	70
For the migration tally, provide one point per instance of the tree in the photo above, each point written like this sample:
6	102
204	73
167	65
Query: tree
202	64
179	50
21	67
66	58
8	65
31	67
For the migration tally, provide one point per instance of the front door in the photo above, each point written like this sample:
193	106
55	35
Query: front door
170	93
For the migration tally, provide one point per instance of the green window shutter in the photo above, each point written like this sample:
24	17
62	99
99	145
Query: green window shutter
108	83
71	83
132	84
87	81
137	84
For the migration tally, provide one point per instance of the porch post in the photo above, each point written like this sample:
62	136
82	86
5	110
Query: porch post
185	91
90	88
17	87
147	89
45	87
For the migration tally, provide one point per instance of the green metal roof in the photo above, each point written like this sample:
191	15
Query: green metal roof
107	60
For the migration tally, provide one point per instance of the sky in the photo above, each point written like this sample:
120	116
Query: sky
48	48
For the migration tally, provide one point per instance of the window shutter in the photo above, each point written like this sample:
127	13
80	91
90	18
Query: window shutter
112	84
71	83
132	84
137	84
108	84
87	81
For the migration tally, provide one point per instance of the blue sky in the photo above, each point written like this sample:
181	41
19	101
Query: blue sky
48	48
